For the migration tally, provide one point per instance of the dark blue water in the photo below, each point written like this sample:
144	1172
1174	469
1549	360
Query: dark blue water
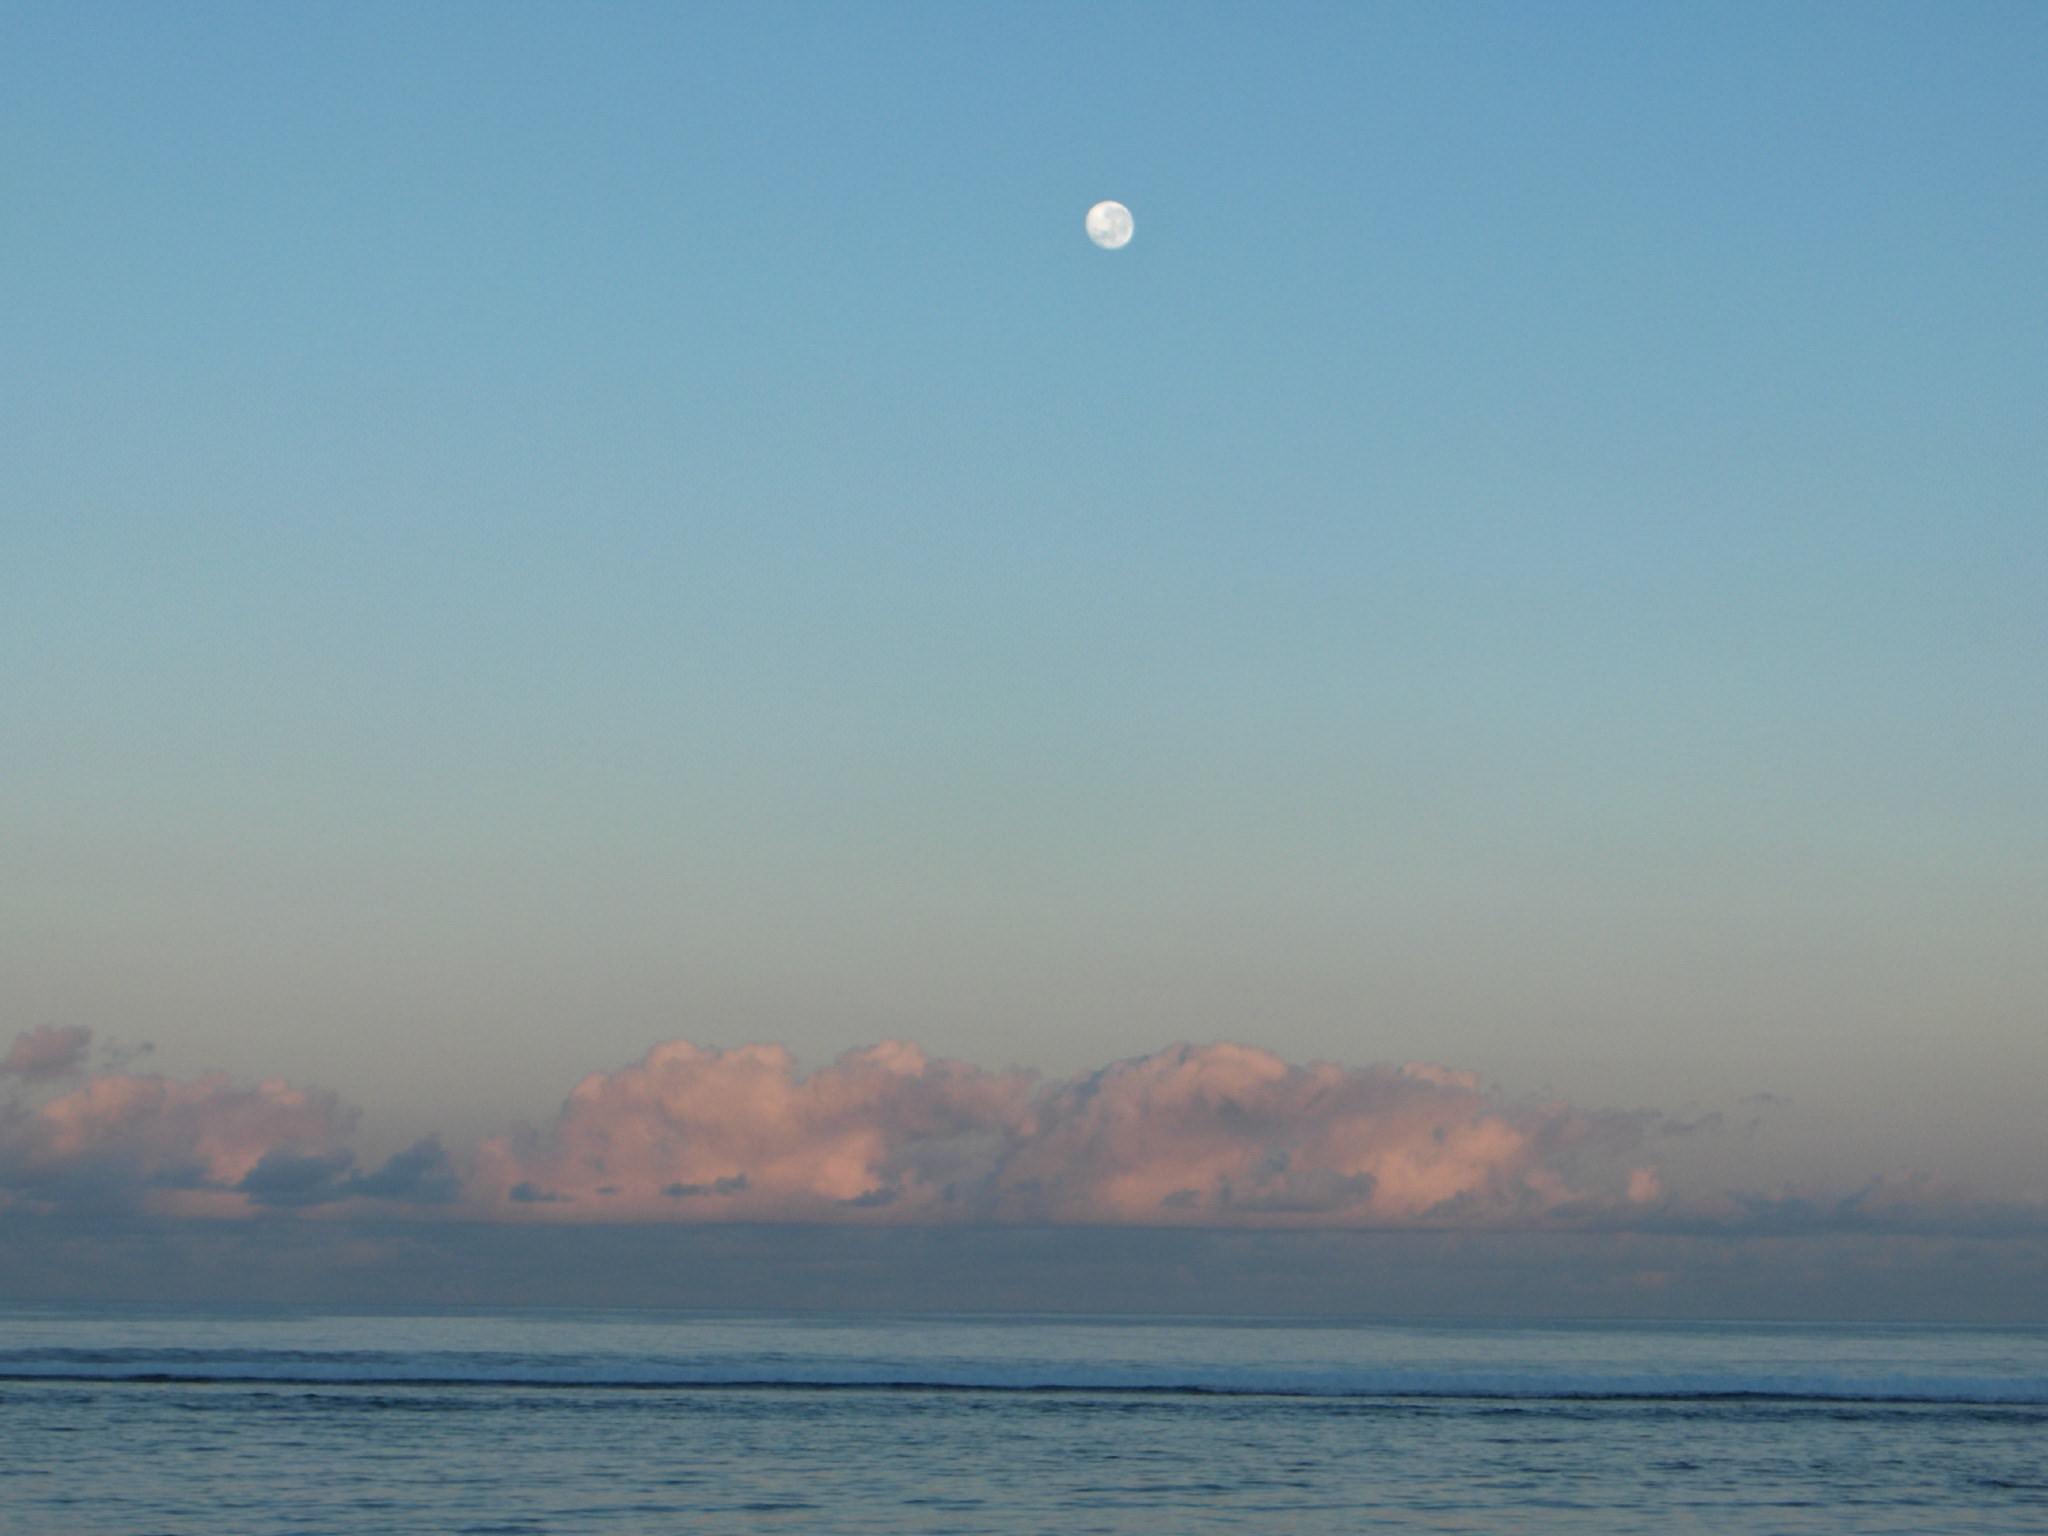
229	1422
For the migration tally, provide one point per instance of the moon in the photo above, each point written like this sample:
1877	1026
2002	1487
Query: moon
1109	225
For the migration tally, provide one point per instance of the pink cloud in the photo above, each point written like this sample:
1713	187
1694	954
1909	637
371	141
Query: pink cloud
1233	1134
166	1144
46	1053
694	1133
1218	1134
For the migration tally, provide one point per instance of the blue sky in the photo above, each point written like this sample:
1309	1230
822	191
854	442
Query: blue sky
526	532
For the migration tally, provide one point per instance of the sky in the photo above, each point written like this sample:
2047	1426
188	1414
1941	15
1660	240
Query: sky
641	547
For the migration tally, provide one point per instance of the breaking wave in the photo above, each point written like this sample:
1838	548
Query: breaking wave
340	1368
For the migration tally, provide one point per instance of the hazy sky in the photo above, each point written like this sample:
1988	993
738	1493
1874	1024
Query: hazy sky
528	532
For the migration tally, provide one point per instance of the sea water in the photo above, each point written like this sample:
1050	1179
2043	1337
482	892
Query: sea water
224	1422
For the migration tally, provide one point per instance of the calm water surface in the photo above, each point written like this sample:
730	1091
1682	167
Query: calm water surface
229	1422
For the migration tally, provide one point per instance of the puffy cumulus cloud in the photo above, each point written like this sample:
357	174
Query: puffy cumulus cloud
47	1053
1191	1135
166	1143
200	1146
1230	1134
694	1133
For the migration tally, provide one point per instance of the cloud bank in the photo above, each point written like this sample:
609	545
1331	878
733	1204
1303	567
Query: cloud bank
1217	1136
1192	1135
1199	1178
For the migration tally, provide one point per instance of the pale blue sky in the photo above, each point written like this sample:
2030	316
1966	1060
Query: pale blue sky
525	532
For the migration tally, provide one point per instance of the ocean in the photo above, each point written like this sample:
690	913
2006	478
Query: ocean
231	1421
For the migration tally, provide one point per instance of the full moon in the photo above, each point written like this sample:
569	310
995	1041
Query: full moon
1109	225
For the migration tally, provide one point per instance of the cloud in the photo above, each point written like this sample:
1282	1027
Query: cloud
204	1146
47	1053
1192	1135
1231	1133
289	1179
731	1186
693	1133
1198	1178
165	1143
1218	1136
422	1174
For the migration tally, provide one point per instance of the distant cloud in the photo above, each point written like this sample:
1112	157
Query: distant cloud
689	1133
290	1179
420	1175
731	1186
201	1147
1191	1135
47	1053
1196	1178
1214	1136
528	1193
423	1174
180	1146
